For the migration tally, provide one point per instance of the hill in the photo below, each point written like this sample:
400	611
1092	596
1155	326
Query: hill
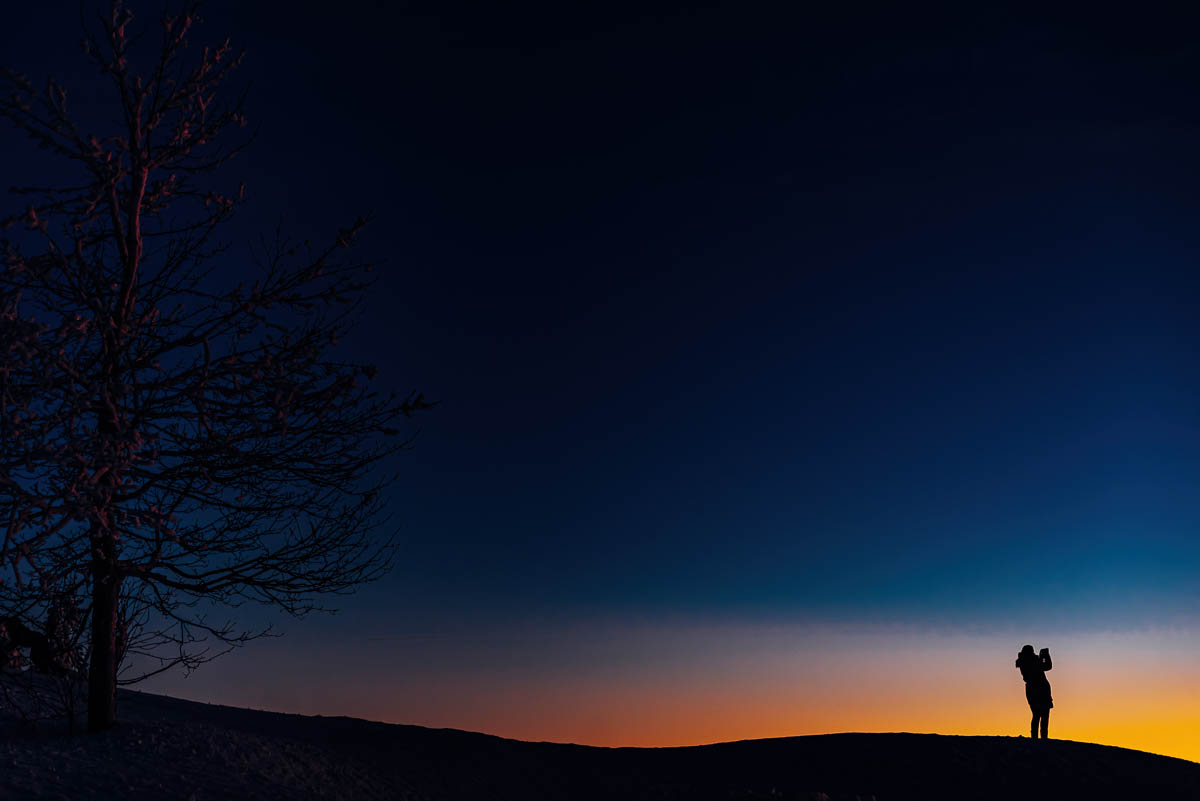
167	748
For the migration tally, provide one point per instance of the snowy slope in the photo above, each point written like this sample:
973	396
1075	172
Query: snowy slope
167	748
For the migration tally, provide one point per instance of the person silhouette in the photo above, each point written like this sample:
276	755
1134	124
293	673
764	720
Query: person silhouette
1037	688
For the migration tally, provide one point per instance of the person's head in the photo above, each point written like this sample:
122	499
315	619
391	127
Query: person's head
1027	650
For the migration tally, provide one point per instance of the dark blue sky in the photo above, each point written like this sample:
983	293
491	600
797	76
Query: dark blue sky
750	313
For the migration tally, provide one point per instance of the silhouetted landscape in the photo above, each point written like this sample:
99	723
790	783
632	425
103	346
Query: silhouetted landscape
625	374
171	748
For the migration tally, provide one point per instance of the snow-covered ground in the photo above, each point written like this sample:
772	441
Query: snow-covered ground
166	748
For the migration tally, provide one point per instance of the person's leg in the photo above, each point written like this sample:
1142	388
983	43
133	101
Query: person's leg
1033	726
1045	723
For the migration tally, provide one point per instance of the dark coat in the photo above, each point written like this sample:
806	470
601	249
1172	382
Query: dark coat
1037	686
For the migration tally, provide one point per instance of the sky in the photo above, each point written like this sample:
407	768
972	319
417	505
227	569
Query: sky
795	367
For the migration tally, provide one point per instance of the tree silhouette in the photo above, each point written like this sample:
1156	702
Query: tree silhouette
170	448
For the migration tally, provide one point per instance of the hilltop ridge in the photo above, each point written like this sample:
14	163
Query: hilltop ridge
171	748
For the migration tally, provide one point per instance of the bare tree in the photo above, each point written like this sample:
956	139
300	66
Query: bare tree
170	447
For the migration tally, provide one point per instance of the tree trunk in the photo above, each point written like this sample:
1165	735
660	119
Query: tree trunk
102	672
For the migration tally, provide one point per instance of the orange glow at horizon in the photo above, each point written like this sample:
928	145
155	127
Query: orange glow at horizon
687	685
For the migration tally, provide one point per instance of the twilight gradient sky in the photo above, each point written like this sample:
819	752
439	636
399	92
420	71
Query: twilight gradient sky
796	367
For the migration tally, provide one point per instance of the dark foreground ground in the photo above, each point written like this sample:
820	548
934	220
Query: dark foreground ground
172	749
